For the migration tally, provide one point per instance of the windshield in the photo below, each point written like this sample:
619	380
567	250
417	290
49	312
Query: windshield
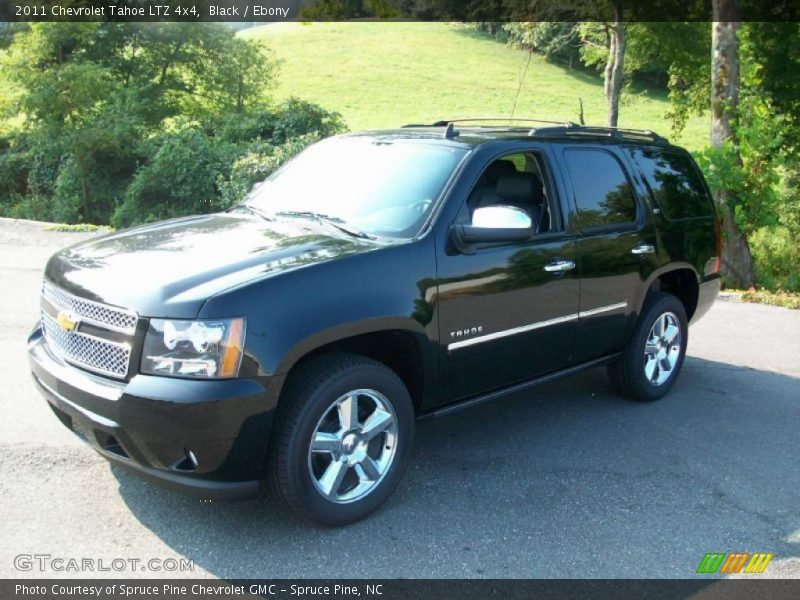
378	187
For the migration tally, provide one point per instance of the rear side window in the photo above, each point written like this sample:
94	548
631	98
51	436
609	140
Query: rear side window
674	182
603	194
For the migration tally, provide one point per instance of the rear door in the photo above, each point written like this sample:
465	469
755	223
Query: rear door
617	245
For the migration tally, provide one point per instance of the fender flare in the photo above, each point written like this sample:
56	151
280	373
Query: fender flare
662	270
345	331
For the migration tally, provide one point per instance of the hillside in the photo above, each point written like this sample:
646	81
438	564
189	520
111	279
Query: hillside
388	74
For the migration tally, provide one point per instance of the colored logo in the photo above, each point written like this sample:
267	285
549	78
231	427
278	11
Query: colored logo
67	321
735	562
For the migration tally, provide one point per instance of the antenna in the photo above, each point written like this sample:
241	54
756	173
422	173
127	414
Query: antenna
519	87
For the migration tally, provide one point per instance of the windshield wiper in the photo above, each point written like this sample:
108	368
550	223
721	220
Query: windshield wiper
336	222
256	211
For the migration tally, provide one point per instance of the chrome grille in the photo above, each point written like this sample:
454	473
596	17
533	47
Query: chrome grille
110	317
109	358
92	352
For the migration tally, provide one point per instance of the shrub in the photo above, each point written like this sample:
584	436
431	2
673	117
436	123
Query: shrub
33	207
290	119
13	174
180	179
296	117
784	299
258	164
777	258
556	41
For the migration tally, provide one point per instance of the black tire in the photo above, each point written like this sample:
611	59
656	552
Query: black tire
311	393
627	373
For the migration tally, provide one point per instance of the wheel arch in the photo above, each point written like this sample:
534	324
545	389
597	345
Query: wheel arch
399	344
679	279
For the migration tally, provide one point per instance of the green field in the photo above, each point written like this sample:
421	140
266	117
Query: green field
388	74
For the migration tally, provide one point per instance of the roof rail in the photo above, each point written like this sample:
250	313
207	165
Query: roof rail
446	122
591	130
553	128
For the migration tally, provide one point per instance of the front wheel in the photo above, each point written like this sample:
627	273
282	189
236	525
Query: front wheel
653	358
342	438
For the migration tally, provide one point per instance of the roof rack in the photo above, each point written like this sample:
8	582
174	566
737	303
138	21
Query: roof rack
595	131
504	120
446	122
555	128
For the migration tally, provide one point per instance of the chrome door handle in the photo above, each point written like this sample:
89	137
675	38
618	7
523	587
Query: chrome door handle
559	266
643	249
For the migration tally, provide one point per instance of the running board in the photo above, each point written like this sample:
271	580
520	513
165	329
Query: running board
517	387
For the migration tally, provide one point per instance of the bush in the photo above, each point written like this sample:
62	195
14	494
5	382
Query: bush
784	299
34	208
27	177
776	253
13	171
105	132
257	165
180	179
556	41
92	175
290	119
96	168
296	118
200	170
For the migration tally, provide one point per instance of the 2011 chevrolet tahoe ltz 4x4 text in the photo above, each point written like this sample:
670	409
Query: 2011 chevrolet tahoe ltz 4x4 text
375	279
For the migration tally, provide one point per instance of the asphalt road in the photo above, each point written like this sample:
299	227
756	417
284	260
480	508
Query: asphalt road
565	481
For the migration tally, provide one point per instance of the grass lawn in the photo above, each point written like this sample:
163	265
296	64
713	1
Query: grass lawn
387	74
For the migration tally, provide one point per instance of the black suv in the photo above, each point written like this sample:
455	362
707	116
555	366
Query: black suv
375	279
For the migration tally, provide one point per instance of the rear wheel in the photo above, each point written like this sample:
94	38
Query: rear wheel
342	438
654	356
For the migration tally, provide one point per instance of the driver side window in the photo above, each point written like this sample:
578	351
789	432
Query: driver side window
514	180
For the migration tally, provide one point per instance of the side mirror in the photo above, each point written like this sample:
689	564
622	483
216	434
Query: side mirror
496	224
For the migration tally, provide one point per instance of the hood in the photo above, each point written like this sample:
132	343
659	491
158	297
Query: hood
171	268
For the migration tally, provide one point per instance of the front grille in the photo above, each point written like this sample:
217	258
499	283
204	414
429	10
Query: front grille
111	317
87	351
92	352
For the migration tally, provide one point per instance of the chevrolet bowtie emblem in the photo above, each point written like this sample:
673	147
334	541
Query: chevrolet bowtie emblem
67	321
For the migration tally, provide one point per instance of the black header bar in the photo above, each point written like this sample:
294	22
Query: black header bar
414	10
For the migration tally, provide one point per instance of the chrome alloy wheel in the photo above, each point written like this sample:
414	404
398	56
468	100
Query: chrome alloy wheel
353	446
662	349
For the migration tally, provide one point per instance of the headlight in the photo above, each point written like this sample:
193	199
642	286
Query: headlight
211	348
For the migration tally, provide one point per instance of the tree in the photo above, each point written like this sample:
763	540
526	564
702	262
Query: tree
612	84
737	262
95	98
603	45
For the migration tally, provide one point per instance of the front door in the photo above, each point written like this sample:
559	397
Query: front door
508	312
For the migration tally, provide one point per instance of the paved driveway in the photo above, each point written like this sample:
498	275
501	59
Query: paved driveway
564	481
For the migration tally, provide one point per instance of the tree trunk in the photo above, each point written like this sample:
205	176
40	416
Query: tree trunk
737	263
612	86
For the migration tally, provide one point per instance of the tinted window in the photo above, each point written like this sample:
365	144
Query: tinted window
674	182
602	192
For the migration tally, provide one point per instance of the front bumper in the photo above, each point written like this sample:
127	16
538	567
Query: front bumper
206	438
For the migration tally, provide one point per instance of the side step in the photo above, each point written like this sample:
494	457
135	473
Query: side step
517	387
